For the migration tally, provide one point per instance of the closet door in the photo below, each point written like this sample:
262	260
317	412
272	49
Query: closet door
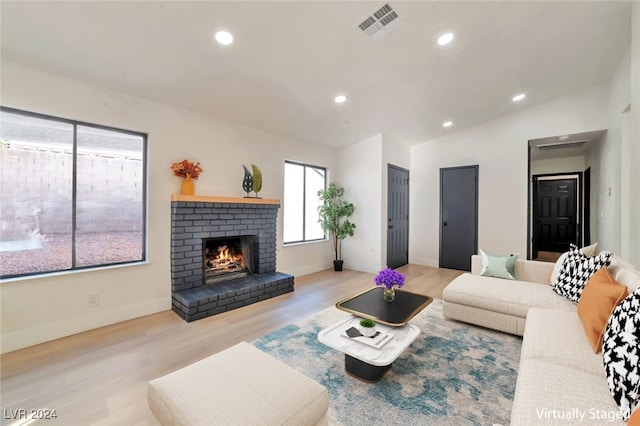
458	216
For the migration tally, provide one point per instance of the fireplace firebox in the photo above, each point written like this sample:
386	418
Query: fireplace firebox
228	258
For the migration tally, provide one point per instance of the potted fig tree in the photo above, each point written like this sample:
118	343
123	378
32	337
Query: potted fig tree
334	219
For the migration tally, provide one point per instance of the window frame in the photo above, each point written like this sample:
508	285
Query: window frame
304	206
74	189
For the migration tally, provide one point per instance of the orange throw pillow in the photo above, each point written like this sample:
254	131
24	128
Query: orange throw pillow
634	420
599	298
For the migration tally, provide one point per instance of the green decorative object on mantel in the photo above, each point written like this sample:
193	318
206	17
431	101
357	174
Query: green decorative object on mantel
257	179
252	181
247	181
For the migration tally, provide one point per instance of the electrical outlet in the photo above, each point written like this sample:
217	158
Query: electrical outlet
93	300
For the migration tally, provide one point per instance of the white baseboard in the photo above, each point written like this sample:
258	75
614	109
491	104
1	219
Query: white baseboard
362	267
425	261
55	330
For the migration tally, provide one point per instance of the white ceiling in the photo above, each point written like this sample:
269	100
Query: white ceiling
289	59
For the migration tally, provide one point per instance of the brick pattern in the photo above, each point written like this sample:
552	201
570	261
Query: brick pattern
193	221
36	192
205	301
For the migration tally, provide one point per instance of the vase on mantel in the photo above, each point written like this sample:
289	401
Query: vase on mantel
188	187
389	294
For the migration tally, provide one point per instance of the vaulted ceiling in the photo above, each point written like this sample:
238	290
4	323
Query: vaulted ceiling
290	59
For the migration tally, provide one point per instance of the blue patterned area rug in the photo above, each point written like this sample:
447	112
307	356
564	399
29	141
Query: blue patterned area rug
453	374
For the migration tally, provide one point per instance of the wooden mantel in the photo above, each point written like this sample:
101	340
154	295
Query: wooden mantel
218	199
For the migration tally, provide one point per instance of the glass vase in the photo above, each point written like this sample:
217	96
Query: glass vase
389	294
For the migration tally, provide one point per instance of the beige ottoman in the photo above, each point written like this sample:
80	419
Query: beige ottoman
238	386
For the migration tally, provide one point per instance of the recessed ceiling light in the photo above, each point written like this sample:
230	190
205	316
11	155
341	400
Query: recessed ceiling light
518	97
445	39
340	99
563	137
447	124
224	37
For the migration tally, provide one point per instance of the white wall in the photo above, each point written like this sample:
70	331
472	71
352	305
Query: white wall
48	307
363	173
558	165
619	213
499	147
634	176
360	173
606	161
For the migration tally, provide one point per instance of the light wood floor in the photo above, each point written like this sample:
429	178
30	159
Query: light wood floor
100	376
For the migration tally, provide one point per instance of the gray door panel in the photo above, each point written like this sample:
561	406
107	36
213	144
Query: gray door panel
458	216
397	217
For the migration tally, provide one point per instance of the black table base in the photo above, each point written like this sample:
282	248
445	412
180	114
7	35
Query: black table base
363	371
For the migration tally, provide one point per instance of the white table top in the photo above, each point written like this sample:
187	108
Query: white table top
335	337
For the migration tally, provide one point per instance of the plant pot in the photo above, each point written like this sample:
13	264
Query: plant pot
367	331
337	265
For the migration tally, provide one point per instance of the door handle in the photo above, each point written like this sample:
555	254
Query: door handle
390	227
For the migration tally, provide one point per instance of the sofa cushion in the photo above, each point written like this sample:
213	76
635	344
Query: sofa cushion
569	259
544	340
621	353
599	298
588	251
526	270
504	296
625	273
630	278
552	394
576	271
498	266
512	324
557	267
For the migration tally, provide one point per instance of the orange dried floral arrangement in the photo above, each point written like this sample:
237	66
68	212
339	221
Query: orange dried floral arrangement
186	169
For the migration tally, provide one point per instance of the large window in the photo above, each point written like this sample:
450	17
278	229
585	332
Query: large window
301	185
72	195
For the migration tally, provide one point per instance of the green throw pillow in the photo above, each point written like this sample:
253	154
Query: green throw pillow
498	266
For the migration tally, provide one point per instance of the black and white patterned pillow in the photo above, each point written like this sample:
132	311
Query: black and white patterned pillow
621	353
573	255
576	271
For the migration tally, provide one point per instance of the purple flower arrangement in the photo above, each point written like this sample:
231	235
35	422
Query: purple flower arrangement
389	278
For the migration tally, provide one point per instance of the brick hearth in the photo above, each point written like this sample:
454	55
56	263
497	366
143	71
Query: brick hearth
194	218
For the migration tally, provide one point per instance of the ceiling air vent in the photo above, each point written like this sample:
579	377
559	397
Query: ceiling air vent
561	145
383	18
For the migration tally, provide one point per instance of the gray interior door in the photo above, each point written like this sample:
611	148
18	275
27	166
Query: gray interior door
397	217
458	216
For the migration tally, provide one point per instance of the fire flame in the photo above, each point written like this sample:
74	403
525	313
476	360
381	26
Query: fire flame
226	254
225	259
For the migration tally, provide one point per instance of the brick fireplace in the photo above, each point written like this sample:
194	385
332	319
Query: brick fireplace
197	220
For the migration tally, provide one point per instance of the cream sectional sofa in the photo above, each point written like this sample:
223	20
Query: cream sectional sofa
561	381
